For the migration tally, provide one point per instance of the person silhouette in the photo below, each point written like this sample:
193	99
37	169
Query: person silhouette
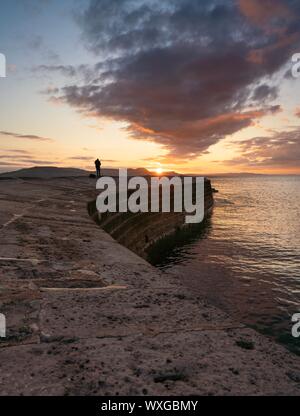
98	168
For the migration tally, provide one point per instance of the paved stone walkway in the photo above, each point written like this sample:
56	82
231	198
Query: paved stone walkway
85	316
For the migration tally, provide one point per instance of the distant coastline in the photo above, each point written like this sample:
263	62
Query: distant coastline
40	172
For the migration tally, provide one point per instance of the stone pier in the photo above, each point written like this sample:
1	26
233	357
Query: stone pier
87	316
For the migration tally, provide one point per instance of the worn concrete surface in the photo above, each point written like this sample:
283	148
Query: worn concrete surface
86	316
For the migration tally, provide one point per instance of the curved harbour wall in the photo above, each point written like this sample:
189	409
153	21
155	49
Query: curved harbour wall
139	232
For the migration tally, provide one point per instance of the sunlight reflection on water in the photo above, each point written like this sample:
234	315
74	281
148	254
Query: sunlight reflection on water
248	261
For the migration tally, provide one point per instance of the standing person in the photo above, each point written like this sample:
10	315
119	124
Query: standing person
98	168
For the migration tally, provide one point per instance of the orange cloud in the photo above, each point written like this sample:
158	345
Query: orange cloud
262	12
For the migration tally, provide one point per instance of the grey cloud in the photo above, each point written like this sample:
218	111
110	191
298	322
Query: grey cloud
182	72
265	92
65	70
279	150
25	136
80	72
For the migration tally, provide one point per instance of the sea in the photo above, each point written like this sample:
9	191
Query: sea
246	260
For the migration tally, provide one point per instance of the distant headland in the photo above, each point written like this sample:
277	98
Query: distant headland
49	172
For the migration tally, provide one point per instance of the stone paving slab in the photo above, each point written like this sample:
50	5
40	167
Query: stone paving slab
197	363
120	311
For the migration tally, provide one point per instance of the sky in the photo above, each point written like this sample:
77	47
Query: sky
184	85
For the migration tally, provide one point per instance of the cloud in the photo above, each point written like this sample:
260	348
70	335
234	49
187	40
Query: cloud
23	159
271	15
265	92
41	162
50	90
168	70
85	158
14	157
80	72
26	136
4	165
281	150
65	70
17	151
91	159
